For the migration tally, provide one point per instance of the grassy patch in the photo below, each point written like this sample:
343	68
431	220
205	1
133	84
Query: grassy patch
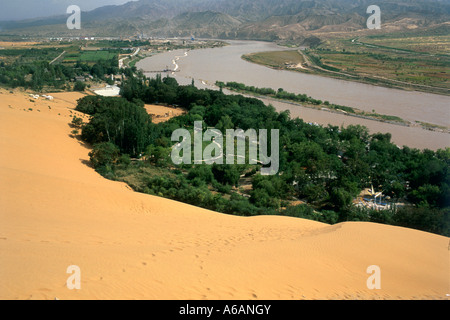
416	61
405	61
136	174
87	56
276	59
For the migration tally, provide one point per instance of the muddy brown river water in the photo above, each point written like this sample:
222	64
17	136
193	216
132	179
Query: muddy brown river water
206	66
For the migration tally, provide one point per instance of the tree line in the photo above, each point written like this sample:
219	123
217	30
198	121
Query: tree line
324	166
39	73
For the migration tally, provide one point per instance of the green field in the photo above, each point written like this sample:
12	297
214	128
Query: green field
276	59
89	56
379	59
437	44
26	56
96	55
419	63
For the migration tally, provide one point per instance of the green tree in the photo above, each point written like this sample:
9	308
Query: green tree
426	195
104	154
340	198
77	122
226	174
158	155
79	86
202	172
261	198
225	123
301	211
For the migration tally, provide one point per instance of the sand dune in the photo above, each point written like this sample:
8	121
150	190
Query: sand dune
56	211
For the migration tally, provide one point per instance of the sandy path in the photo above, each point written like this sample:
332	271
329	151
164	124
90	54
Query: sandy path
56	211
161	113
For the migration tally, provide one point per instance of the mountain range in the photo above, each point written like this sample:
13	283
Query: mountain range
239	19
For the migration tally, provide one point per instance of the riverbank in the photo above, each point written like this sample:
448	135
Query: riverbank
309	102
401	62
206	66
309	67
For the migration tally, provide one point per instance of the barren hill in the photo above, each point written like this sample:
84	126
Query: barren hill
238	19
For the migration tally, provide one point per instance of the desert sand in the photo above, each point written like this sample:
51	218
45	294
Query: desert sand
56	211
17	44
162	113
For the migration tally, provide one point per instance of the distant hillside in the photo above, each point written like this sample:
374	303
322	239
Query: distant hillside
241	19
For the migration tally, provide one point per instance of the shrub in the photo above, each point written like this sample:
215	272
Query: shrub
76	122
301	211
125	159
79	86
104	154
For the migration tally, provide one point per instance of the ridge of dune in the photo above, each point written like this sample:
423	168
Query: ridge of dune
56	211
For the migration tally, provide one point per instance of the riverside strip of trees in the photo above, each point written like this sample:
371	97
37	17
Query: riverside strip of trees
322	168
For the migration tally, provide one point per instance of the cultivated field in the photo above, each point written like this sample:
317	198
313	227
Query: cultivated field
419	63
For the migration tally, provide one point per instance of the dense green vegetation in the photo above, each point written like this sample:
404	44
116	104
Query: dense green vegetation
24	56
93	56
280	94
303	98
317	60
35	75
32	68
325	167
